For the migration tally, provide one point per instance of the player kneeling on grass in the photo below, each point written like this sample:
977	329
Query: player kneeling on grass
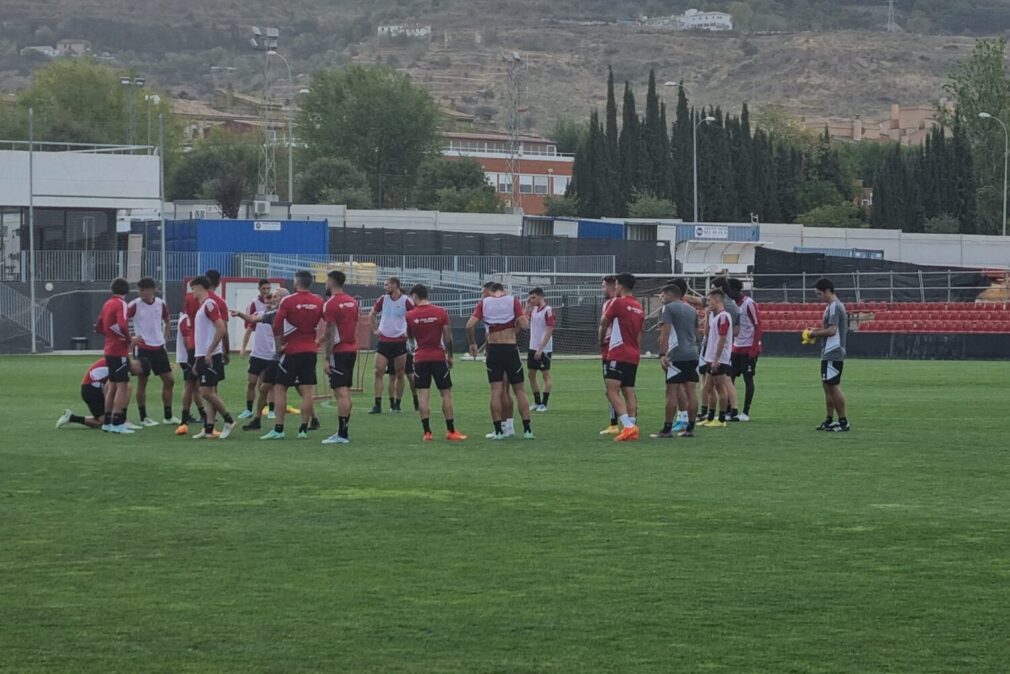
95	394
208	333
718	357
624	318
429	326
678	343
295	327
541	317
502	313
833	330
340	344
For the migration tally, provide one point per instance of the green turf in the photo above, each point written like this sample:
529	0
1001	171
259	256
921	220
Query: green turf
766	547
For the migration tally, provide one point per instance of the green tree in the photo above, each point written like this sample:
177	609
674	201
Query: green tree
437	175
567	134
223	167
942	224
840	214
559	206
649	206
333	180
979	84
469	200
628	147
376	118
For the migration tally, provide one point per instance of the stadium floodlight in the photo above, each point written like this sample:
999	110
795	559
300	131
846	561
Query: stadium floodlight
1006	159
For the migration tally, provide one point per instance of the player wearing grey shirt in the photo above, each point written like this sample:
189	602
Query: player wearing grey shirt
678	341
833	328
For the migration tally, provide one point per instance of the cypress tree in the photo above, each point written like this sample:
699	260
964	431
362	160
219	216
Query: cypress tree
615	203
628	146
680	155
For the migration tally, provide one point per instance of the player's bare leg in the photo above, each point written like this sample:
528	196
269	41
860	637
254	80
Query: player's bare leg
308	392
396	392
168	395
524	408
142	396
448	412
413	390
669	412
687	400
497	388
424	409
381	363
251	390
548	387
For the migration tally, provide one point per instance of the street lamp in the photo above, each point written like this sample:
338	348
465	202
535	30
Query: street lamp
706	120
132	83
291	138
1006	156
678	84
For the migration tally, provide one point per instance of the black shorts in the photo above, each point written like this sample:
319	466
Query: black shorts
438	371
270	373
154	361
720	369
119	369
94	398
408	368
298	369
189	367
682	372
392	350
626	373
744	365
703	369
258	365
831	371
208	376
543	364
503	363
342	369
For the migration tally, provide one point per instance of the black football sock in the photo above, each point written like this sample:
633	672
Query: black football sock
143	411
392	403
690	426
711	414
75	419
450	425
416	401
547	396
270	407
734	412
497	428
843	421
613	419
378	402
830	421
667	426
108	416
722	415
168	411
536	397
208	428
703	412
303	428
344	423
186	417
227	418
203	415
527	428
426	424
278	428
249	404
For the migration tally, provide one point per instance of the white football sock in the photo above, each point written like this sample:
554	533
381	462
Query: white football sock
626	421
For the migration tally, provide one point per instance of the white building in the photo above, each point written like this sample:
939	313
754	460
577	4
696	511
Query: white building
48	52
694	19
396	30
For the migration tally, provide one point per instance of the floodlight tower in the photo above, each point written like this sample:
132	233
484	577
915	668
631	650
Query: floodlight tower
515	69
265	40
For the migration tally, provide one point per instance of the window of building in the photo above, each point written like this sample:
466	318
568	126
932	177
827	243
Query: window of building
561	185
526	184
539	184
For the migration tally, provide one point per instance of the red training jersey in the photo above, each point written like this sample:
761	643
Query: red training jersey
297	318
627	318
97	374
112	323
425	324
342	311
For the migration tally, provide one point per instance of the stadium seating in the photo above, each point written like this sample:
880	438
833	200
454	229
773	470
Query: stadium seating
895	317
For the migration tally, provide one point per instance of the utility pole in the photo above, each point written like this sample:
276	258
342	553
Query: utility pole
265	40
515	72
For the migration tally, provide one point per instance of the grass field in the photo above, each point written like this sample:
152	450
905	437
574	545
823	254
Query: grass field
765	547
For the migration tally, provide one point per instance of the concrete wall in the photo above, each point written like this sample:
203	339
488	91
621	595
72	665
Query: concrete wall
80	180
957	250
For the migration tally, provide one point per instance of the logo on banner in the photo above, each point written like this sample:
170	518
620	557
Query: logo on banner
261	226
711	232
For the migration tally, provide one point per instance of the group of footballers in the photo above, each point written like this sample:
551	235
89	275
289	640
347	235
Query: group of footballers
711	341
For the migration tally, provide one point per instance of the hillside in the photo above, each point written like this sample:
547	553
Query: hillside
176	43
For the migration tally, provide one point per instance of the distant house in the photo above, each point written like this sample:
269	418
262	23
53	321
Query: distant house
73	47
407	30
694	19
45	50
908	126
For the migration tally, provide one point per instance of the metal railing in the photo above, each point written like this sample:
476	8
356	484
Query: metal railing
17	308
446	270
879	286
84	148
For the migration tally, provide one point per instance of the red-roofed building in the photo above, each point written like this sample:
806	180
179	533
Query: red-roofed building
543	171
